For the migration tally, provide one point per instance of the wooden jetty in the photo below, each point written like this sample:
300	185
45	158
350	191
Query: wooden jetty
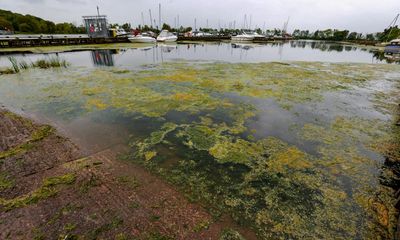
35	40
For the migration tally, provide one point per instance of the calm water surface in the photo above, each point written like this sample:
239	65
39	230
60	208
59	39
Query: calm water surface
227	52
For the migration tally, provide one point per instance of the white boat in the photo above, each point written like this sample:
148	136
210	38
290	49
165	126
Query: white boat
393	47
141	39
121	32
244	37
166	36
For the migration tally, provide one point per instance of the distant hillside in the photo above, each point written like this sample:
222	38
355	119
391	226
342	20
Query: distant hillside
30	24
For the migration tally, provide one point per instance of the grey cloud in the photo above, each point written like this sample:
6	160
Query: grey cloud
357	15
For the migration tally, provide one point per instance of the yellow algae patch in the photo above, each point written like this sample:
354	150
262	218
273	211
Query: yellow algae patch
149	155
291	159
183	97
92	91
187	75
97	103
239	151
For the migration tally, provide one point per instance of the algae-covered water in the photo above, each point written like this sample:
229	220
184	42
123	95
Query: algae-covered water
290	146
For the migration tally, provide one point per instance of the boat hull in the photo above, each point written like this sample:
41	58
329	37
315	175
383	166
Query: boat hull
141	39
242	39
168	39
392	49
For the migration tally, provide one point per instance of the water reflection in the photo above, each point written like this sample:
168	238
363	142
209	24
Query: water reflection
242	46
389	58
238	52
102	57
134	57
323	46
167	48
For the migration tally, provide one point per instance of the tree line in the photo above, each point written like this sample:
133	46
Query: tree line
345	35
18	23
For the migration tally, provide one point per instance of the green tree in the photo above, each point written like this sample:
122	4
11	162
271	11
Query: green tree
340	35
126	27
166	27
5	24
390	34
352	36
24	27
370	37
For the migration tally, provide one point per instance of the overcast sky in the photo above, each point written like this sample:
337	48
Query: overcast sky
355	15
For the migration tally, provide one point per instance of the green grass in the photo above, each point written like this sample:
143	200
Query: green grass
157	236
53	62
115	223
41	133
23	65
5	182
36	136
134	205
14	64
16	150
129	181
154	218
48	189
7	71
16	67
90	183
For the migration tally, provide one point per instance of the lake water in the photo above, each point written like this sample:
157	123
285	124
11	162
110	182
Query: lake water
227	52
287	138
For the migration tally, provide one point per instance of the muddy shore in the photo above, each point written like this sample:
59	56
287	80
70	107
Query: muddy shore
51	189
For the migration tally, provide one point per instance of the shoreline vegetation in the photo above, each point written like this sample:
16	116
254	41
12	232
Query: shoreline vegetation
16	67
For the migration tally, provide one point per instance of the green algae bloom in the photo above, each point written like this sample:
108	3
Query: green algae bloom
292	151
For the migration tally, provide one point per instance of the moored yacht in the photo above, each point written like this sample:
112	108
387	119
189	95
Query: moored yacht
393	47
244	37
141	39
166	36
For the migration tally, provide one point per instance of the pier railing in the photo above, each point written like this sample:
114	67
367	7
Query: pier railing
35	40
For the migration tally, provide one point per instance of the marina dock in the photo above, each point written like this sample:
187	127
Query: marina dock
35	40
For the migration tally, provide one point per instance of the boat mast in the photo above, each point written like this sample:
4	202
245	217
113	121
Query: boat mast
285	25
151	19
159	16
392	24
